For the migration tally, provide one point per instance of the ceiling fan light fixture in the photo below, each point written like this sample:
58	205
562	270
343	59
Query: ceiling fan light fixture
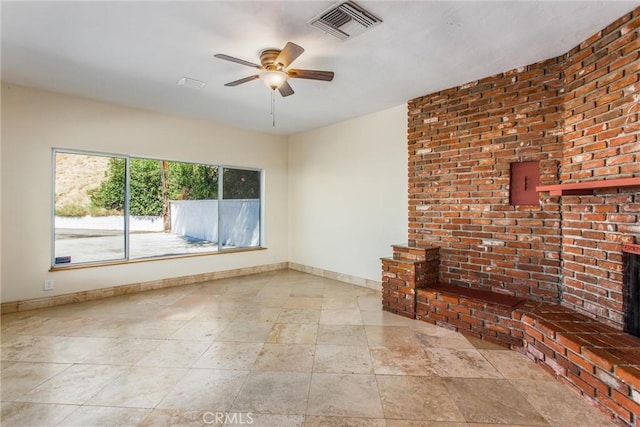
274	79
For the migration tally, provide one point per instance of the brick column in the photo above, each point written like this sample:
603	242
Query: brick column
410	268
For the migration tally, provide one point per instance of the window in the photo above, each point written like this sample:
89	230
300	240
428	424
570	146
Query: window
111	208
240	208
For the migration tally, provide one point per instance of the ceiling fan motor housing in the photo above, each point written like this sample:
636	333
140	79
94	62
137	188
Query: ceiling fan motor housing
268	59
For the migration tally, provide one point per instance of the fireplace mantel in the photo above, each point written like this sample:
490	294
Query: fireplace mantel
584	188
631	248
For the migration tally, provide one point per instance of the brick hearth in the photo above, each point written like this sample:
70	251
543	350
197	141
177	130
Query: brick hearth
598	361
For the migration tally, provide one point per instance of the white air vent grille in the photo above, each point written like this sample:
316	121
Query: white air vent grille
345	20
191	83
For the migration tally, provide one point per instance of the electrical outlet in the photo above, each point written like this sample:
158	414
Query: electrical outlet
48	284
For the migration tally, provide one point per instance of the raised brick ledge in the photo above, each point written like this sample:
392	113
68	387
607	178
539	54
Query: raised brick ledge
597	361
483	314
486	296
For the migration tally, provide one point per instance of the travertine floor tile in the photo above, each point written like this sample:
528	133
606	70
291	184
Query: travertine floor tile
27	348
175	354
515	366
441	338
390	336
20	414
229	355
492	401
222	310
344	396
121	351
401	361
200	330
138	388
342	359
303	302
264	420
417	398
242	331
6	364
98	416
299	315
414	423
74	385
347	303
372	301
383	318
271	302
20	378
205	390
59	326
177	312
483	345
559	405
316	421
21	323
293	333
284	357
259	314
342	335
341	317
283	393
274	292
307	292
460	363
151	328
179	418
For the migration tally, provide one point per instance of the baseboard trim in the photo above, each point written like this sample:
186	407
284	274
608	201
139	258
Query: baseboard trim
113	291
32	304
352	280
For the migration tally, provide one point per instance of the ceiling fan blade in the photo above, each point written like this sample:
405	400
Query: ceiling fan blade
289	54
327	76
237	61
286	89
239	82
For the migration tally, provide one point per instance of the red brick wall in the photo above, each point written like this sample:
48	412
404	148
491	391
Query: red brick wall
601	127
461	144
578	115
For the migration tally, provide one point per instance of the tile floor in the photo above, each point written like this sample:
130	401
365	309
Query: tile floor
276	349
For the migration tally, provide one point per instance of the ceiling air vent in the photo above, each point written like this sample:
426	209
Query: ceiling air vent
345	20
191	83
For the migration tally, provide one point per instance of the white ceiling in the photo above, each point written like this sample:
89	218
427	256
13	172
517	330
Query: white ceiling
134	53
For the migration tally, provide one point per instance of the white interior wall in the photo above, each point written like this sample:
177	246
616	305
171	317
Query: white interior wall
335	197
34	121
347	193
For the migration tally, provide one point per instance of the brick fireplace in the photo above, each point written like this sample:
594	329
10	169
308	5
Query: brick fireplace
631	288
577	115
544	276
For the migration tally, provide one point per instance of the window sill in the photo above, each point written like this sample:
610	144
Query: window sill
150	259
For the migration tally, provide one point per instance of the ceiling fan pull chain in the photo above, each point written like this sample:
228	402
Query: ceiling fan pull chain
273	107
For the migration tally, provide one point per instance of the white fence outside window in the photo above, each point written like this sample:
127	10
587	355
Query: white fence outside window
198	219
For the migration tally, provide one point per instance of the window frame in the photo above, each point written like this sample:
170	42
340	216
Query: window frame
126	214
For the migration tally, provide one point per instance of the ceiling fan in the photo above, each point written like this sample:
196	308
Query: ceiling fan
274	72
